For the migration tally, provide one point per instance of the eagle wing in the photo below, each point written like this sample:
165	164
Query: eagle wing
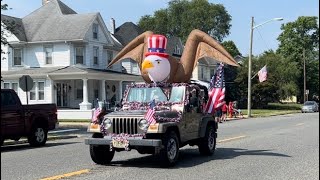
199	45
134	50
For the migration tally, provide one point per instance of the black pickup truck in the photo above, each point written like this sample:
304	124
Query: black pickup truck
31	121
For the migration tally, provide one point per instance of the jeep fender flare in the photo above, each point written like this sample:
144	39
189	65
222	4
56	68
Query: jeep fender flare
204	123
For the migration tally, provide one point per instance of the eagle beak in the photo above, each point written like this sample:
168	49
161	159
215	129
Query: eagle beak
146	64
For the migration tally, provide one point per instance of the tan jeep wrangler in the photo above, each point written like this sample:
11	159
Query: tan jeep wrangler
179	122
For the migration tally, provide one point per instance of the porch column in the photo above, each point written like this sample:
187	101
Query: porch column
85	105
120	90
103	90
51	88
52	91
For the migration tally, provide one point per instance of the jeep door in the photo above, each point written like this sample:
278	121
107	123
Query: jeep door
193	113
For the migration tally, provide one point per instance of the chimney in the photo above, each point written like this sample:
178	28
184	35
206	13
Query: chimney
113	26
45	2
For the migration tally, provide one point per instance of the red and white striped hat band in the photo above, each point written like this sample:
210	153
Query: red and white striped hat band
157	45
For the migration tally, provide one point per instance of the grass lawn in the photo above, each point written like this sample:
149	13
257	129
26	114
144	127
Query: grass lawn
274	109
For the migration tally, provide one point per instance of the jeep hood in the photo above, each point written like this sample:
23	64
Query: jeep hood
140	113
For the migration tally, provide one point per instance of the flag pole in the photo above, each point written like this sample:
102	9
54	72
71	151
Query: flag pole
255	75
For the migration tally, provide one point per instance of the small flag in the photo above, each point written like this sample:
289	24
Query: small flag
216	91
96	113
263	74
150	113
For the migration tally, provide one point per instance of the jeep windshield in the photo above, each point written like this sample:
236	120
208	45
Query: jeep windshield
169	94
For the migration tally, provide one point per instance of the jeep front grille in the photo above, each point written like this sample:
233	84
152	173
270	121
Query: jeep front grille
125	125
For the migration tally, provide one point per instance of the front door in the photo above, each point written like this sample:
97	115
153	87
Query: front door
62	94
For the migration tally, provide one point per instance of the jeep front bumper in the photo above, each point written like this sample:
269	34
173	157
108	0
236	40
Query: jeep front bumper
132	141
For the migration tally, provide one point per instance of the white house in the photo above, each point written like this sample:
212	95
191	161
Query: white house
66	54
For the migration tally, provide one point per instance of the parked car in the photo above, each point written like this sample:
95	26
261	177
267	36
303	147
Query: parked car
310	106
31	121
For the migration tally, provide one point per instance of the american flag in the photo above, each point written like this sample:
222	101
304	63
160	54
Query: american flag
216	91
150	113
96	112
263	74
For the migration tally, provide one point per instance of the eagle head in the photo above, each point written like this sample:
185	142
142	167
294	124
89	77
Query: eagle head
156	62
157	67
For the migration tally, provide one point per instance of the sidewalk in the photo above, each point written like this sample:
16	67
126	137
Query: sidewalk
75	125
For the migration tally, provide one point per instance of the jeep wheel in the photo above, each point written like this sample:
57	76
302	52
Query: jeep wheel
207	144
101	154
38	136
170	153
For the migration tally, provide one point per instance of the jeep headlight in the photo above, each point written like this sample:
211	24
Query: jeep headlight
143	124
107	123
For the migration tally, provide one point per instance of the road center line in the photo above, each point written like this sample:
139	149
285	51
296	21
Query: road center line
299	124
230	139
67	175
59	131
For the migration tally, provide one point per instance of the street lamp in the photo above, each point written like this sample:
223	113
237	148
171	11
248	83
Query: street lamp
250	55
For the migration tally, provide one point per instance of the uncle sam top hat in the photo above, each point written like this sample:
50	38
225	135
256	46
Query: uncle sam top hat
157	45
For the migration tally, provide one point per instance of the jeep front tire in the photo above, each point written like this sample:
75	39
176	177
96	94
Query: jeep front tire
101	154
170	153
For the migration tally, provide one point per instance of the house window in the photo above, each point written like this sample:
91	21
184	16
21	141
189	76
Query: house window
109	56
79	55
33	92
40	90
6	85
48	54
95	29
95	55
202	72
17	57
14	86
11	85
177	50
37	91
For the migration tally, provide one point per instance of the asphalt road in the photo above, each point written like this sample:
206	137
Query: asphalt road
278	147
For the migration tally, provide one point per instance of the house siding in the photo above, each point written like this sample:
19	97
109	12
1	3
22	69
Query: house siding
101	36
5	58
61	55
131	66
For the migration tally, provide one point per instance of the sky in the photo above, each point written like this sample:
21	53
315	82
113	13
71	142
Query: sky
241	11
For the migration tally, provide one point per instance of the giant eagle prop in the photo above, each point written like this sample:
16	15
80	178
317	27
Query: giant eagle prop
148	50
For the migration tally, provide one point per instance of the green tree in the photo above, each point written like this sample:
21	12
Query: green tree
182	16
5	26
298	36
232	90
280	83
231	47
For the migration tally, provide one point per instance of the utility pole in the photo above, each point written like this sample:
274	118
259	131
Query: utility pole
249	68
304	76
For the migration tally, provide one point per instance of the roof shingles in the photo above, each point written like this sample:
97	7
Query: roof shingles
54	21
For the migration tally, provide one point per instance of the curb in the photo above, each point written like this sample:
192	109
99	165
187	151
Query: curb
50	138
79	125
